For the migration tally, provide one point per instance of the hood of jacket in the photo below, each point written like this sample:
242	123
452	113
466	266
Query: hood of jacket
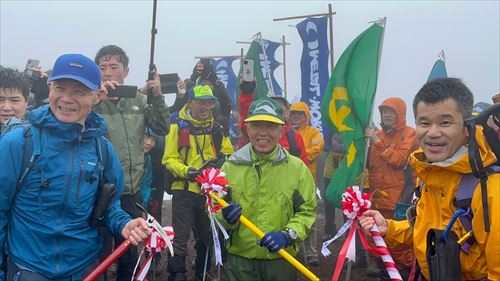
399	106
44	118
247	156
302	106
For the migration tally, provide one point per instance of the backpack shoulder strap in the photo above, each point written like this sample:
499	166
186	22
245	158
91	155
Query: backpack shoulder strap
32	149
218	136
102	155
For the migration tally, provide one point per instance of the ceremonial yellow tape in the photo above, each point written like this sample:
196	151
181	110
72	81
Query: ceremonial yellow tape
283	253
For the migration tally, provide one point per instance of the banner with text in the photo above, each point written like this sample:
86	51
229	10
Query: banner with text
314	68
270	48
224	70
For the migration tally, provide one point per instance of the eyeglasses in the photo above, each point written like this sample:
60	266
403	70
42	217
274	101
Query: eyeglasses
205	103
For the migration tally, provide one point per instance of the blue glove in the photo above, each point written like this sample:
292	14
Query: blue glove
232	212
274	241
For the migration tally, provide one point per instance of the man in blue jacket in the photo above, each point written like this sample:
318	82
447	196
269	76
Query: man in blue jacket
44	218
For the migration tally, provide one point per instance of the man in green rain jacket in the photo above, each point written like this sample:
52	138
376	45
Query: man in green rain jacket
275	191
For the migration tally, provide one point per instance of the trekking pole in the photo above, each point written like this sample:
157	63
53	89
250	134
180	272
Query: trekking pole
283	253
152	67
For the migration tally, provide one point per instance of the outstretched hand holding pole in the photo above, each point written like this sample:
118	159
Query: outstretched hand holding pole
215	178
355	204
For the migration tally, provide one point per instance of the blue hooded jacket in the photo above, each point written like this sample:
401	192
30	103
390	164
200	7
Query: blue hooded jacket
45	226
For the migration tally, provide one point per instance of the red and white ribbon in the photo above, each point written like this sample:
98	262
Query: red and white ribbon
213	180
354	204
153	244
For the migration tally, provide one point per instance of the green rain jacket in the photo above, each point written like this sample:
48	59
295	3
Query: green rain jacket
126	121
275	192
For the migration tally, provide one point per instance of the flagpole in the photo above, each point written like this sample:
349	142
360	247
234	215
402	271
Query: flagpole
362	180
284	67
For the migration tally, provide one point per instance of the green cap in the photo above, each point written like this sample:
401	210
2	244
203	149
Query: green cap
202	92
265	109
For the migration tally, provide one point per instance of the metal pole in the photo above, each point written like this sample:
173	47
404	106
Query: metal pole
301	17
330	16
284	67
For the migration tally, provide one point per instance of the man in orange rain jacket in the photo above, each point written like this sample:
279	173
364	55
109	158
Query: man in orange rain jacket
388	163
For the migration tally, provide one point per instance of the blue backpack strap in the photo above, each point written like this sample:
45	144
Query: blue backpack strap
102	156
32	149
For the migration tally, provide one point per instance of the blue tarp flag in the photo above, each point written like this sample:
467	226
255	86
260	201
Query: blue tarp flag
439	68
314	68
224	70
272	63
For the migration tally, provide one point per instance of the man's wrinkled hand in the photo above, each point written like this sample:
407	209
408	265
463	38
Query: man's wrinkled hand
136	231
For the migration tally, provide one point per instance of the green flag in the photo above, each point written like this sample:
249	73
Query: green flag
347	105
253	53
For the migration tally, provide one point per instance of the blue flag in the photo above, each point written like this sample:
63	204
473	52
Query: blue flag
314	68
270	47
439	68
224	70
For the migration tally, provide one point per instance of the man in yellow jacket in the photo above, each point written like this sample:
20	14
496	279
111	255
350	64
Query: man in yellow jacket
300	117
195	139
440	108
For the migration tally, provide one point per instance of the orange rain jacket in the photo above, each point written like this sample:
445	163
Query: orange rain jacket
313	139
435	209
388	158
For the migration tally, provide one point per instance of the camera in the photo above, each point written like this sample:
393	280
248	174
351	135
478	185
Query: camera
28	70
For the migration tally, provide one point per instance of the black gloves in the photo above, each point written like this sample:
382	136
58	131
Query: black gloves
232	212
247	87
192	173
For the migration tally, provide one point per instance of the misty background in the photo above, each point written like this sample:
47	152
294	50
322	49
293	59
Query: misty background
416	31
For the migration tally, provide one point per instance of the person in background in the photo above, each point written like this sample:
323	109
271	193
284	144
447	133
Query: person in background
14	92
332	162
127	118
195	139
387	165
300	117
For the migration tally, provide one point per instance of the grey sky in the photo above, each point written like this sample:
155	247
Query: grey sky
468	32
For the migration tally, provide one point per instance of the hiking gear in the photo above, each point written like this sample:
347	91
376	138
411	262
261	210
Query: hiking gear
443	255
265	109
232	212
192	173
77	67
274	241
57	195
129	118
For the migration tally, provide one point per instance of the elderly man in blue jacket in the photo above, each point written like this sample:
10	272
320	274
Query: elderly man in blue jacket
44	218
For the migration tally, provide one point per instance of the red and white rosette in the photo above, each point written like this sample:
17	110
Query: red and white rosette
213	180
354	204
153	244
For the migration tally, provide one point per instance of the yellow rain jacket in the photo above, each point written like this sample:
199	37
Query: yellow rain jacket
173	158
313	139
435	209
